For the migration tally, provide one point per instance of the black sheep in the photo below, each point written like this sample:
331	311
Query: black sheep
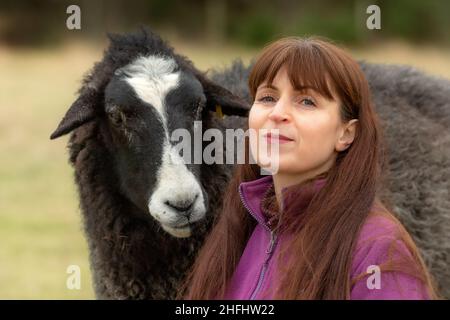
124	169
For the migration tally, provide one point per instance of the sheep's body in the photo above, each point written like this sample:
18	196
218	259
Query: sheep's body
133	258
415	113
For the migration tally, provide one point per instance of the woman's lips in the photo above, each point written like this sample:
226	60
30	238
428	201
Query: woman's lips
273	138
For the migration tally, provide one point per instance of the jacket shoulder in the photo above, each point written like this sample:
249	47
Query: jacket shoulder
380	246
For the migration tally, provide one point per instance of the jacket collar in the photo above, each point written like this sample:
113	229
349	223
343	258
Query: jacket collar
252	193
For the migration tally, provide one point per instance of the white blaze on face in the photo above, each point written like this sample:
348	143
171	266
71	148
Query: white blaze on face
152	78
175	183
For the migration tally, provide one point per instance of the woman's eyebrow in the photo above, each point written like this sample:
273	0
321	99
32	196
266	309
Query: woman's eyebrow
306	88
268	86
300	89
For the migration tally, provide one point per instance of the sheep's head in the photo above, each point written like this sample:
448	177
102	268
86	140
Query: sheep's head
140	102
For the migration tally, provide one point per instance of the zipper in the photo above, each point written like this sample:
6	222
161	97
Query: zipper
269	250
251	212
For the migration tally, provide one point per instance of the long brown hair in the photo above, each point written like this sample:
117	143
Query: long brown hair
320	252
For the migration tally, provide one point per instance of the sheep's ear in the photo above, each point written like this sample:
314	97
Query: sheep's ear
218	96
80	112
228	103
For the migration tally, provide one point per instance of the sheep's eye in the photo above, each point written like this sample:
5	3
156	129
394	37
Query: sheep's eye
199	106
200	103
116	117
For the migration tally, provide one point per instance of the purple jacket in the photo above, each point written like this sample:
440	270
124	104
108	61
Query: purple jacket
253	277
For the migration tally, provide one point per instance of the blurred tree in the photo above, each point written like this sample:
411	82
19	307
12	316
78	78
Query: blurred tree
216	18
249	23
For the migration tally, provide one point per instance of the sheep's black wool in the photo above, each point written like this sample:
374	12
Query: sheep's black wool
414	109
133	258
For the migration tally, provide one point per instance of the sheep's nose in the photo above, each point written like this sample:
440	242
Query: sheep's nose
182	207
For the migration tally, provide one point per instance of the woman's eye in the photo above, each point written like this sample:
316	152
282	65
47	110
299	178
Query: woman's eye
266	99
308	102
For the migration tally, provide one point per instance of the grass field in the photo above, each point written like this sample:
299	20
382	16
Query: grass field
40	223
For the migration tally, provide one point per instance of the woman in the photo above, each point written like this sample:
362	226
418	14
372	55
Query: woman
315	228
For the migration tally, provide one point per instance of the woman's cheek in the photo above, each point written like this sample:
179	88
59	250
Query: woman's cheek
314	145
255	123
254	118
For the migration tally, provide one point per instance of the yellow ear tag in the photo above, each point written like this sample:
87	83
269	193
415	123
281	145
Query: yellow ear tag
219	111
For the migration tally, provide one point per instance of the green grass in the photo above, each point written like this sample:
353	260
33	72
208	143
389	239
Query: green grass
40	223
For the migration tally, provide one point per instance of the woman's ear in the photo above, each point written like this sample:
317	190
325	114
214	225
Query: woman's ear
347	135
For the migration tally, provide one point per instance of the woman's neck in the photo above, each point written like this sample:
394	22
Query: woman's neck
284	180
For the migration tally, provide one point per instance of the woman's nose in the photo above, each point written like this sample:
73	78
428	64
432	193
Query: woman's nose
280	112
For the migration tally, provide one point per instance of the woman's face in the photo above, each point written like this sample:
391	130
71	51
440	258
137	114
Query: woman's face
311	125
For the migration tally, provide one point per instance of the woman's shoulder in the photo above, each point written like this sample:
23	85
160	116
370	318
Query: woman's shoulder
381	234
381	244
379	226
